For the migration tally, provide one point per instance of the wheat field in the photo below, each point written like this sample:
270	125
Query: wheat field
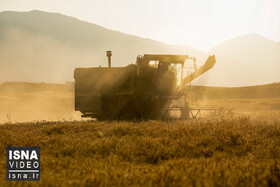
218	152
239	151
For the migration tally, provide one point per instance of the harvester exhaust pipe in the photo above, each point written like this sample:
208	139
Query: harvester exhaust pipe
109	54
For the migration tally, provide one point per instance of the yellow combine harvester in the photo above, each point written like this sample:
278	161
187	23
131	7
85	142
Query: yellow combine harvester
149	89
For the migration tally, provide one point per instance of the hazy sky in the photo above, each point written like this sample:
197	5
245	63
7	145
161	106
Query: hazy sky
197	23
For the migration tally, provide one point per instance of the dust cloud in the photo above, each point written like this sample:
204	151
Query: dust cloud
22	102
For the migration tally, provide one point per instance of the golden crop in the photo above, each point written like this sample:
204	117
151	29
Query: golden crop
220	152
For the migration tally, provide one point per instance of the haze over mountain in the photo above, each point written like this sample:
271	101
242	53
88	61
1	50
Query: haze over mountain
249	59
38	46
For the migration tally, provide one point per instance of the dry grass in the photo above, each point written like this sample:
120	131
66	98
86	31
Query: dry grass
221	152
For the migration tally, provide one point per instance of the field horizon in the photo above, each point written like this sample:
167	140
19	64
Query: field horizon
24	101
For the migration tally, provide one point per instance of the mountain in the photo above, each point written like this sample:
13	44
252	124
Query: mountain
39	46
247	60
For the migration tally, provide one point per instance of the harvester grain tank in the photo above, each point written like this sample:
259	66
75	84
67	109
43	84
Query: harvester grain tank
149	89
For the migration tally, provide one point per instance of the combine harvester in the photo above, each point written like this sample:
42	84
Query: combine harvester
153	88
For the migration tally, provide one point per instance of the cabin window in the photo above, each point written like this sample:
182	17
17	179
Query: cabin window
154	63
